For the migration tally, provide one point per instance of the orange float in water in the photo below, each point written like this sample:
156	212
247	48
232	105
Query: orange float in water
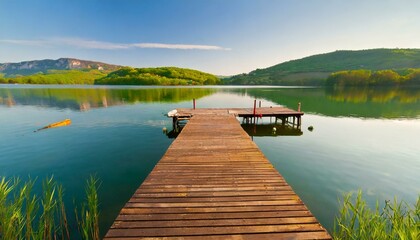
63	123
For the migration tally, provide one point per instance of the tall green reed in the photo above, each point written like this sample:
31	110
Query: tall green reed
88	221
24	215
396	220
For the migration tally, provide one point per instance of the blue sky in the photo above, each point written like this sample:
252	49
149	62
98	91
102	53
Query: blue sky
219	36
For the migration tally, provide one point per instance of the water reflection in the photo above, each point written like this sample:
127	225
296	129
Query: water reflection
84	99
340	155
271	130
366	103
253	130
354	102
375	95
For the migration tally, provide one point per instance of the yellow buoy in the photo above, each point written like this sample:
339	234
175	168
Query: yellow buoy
63	123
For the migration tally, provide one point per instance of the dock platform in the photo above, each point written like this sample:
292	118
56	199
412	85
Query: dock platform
214	183
249	115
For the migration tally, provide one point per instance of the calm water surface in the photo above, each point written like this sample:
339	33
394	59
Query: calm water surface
362	139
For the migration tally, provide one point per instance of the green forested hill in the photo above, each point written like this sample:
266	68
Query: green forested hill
123	76
314	70
73	76
158	76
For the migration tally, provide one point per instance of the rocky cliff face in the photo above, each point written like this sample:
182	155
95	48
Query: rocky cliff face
31	67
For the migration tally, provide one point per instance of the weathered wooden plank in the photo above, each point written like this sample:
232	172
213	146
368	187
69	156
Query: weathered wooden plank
215	204
214	194
188	231
127	210
260	236
215	222
214	216
204	184
213	189
222	181
214	199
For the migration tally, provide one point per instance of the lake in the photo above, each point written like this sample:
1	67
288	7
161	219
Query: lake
364	139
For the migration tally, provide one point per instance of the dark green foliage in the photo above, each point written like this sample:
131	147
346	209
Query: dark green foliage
315	69
363	78
158	76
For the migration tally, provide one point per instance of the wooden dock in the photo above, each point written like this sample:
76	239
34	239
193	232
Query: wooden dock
214	183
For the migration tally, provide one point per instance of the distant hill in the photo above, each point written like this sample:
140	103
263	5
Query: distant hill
76	71
158	76
44	66
314	70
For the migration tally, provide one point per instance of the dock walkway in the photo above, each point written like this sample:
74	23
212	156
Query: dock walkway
214	183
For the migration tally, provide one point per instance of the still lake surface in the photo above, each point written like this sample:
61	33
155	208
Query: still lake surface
365	139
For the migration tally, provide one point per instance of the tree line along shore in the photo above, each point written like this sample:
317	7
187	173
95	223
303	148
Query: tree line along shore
172	76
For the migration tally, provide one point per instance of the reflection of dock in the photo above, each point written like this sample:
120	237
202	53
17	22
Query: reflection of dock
214	183
253	130
260	130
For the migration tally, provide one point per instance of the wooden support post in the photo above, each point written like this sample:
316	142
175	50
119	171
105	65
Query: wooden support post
259	104
193	103
173	122
255	109
255	106
294	118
